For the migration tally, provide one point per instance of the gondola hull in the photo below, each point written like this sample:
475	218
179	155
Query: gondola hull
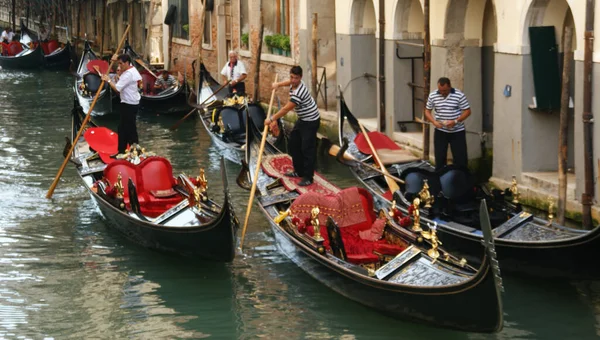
60	59
525	245
107	100
414	305
30	60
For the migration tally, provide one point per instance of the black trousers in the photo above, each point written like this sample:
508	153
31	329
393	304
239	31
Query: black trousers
458	145
302	146
240	89
127	126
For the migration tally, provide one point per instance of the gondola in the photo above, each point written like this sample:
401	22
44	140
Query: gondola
139	197
225	118
22	57
526	244
169	101
88	83
55	56
392	272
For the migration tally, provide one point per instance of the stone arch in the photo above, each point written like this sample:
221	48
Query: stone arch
363	19
408	20
555	13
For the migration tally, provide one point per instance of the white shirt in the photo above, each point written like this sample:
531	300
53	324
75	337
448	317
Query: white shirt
128	86
7	35
238	70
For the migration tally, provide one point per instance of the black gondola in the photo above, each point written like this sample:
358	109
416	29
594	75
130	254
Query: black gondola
144	202
88	83
225	118
169	101
55	57
404	281
525	244
23	58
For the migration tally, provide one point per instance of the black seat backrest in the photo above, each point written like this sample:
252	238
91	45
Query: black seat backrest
231	120
414	179
258	115
456	183
92	82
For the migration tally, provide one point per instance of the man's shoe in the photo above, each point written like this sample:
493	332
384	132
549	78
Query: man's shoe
305	182
292	174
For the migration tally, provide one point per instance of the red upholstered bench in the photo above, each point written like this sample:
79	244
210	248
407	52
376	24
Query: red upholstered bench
154	182
52	46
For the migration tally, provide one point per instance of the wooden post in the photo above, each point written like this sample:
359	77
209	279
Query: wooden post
426	76
382	118
256	94
314	56
588	117
564	125
14	16
78	25
199	60
104	6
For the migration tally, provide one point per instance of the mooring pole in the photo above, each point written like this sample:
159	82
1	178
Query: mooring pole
564	125
426	75
588	117
256	94
314	56
382	66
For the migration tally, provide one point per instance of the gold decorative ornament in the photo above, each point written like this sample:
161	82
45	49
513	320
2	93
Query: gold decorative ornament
119	186
425	195
550	210
514	190
314	221
202	181
416	215
431	235
221	125
282	216
392	209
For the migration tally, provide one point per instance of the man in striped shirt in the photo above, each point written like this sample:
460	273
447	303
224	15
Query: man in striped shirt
302	144
451	109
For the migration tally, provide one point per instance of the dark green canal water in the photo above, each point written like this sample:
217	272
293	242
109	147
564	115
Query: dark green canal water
64	274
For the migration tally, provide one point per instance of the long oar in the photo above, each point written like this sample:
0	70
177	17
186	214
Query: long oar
176	125
390	182
142	64
259	156
344	157
83	124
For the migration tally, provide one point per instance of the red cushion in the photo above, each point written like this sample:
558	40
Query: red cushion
378	139
127	170
367	206
387	249
14	48
52	46
156	174
148	81
362	258
45	48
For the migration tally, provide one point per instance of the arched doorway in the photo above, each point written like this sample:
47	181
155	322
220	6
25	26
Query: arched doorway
407	100
357	61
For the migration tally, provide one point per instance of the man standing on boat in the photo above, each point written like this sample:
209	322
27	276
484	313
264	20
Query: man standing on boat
235	72
303	138
451	110
7	35
127	88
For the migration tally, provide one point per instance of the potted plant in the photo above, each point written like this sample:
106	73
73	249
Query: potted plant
245	38
186	28
285	45
269	42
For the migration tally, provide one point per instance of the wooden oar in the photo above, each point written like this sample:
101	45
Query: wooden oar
142	64
390	182
83	124
258	161
176	125
334	150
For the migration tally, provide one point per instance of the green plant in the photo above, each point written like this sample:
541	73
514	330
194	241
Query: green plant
269	40
284	43
245	38
186	28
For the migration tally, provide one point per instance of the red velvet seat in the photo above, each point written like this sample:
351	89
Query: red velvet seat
52	46
148	81
153	179
4	48
45	47
14	48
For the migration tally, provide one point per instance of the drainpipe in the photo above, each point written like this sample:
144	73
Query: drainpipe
382	66
426	75
588	117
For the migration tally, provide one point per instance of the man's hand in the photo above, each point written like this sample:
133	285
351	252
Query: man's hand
233	82
105	77
438	124
450	124
114	58
274	86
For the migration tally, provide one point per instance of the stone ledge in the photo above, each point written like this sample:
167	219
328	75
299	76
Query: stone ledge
539	199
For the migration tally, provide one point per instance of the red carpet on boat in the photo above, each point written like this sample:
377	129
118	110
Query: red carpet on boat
278	165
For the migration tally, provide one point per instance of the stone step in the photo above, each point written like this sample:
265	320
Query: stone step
547	182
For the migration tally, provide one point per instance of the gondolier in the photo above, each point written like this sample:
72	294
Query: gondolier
235	72
303	138
451	110
127	87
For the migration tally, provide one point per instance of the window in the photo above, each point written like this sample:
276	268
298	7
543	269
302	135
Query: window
181	27
277	26
244	25
206	39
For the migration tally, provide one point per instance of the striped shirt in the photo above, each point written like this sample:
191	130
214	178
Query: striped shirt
160	81
449	108
306	108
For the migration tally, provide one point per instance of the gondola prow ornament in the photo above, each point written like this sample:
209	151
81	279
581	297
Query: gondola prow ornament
425	195
416	215
514	190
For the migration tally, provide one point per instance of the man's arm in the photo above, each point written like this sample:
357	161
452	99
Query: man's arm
429	116
282	112
281	83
